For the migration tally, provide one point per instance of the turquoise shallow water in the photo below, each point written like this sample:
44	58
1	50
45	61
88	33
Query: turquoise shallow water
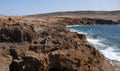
105	38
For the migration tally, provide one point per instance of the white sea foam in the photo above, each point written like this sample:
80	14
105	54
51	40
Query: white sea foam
72	30
108	53
74	25
106	50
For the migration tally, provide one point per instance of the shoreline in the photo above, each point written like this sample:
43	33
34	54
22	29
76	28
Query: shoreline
114	63
50	46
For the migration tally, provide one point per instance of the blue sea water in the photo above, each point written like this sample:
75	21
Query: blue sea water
105	38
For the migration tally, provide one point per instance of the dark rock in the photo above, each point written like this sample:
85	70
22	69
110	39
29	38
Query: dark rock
16	34
82	37
14	66
14	53
28	64
35	42
44	41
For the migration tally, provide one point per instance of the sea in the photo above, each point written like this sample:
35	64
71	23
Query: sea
105	38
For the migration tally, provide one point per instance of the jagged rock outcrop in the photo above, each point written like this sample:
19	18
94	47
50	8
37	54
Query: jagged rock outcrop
16	33
26	47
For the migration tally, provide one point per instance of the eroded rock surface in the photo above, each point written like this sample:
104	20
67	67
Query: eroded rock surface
30	47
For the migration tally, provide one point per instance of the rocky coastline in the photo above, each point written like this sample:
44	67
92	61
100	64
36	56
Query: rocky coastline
45	44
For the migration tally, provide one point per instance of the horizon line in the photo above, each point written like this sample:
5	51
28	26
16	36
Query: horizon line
62	12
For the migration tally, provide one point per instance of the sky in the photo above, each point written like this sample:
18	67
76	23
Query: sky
26	7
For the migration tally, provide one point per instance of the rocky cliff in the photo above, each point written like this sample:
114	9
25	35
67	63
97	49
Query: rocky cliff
43	47
103	15
84	21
